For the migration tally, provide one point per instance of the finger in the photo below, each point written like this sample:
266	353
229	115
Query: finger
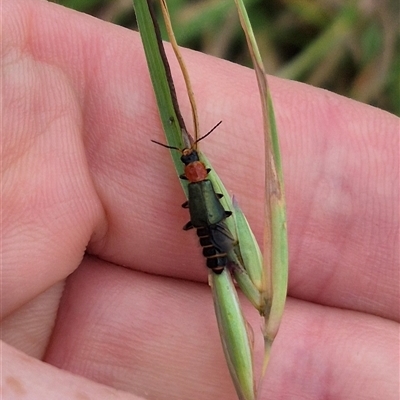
49	203
29	378
158	336
30	327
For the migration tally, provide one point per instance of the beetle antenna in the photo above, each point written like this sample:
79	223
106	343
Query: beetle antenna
165	145
208	133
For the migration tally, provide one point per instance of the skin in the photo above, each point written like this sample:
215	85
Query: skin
98	277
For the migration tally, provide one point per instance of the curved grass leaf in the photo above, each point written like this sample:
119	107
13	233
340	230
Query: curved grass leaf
275	234
235	338
161	78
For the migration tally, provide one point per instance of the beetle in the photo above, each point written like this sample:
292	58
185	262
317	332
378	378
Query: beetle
207	214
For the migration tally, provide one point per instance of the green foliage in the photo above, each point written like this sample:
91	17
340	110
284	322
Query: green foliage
364	64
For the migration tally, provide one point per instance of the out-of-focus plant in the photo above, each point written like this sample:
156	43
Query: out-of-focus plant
350	47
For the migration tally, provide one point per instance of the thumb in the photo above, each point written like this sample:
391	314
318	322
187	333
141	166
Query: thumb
33	379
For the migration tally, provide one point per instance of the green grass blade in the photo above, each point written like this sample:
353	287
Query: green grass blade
161	78
235	338
275	234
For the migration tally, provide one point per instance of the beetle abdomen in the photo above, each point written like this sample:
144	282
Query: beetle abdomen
216	242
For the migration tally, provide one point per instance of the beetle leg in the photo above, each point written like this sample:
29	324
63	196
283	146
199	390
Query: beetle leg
188	226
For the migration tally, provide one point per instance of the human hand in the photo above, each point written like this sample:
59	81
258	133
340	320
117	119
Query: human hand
98	277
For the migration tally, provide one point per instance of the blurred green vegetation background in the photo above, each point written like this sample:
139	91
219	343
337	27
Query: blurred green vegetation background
350	47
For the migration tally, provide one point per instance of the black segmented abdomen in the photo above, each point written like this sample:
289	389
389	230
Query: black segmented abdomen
216	242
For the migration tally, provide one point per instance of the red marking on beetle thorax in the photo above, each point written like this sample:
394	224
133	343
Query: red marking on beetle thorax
196	171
